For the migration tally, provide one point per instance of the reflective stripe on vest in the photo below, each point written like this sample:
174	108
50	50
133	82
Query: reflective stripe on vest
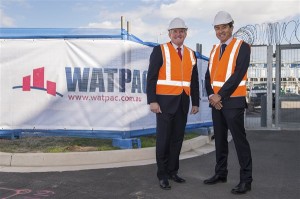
216	80
168	81
212	54
175	74
231	58
220	84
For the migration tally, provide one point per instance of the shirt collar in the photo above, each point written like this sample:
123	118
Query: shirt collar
175	46
228	41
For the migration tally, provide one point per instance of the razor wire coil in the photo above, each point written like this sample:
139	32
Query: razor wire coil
270	33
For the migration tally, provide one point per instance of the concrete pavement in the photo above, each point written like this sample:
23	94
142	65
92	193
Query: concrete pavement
276	173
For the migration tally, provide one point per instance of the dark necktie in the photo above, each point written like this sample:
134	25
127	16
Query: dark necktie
223	46
179	53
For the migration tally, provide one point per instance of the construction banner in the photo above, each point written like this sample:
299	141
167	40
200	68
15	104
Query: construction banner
79	84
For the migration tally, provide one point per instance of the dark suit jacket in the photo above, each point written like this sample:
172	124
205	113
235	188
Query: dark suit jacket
242	64
169	103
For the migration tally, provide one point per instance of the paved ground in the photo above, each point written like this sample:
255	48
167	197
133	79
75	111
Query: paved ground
276	174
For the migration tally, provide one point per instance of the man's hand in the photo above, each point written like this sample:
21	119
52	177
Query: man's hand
194	110
215	101
218	106
154	107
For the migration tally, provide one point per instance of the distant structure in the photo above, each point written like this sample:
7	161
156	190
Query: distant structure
261	36
270	33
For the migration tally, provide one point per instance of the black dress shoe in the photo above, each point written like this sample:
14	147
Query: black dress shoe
215	179
241	188
176	178
164	184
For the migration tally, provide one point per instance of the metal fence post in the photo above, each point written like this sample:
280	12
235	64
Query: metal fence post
277	88
269	100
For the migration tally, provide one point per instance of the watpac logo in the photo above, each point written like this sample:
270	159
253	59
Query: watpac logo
38	83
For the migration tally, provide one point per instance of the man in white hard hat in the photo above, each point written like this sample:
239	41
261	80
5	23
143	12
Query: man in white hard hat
172	79
225	83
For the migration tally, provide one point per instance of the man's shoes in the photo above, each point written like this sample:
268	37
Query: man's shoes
164	184
215	179
241	188
176	178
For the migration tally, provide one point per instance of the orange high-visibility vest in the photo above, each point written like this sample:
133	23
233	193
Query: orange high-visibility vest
175	74
221	69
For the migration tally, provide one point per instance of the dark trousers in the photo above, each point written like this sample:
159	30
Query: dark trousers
169	137
232	119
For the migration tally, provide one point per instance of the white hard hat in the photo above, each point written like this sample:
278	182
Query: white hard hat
222	17
177	23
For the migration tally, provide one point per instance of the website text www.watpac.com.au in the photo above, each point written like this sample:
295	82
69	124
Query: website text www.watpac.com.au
105	98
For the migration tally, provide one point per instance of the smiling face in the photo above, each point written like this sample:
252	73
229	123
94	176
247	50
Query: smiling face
223	32
177	36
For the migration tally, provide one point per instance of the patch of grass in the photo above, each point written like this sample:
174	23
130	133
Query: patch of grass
190	135
68	144
54	145
56	150
150	141
107	148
